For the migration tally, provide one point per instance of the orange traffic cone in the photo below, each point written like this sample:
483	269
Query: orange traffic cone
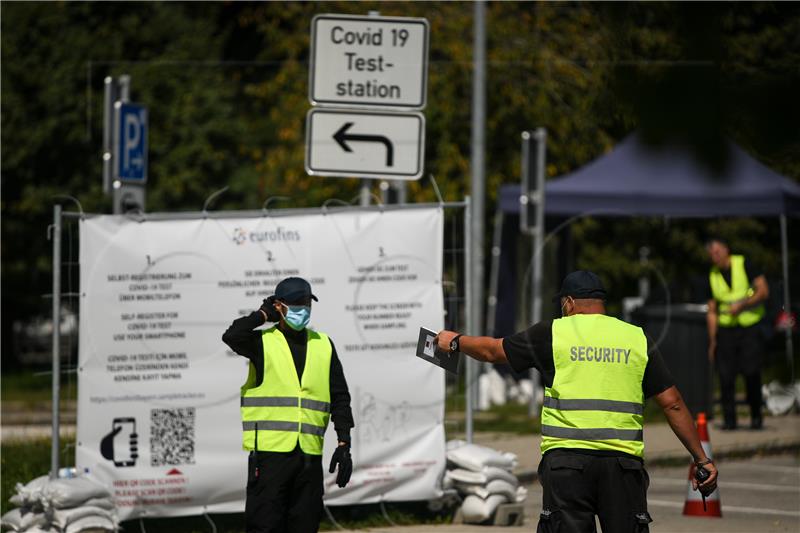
694	500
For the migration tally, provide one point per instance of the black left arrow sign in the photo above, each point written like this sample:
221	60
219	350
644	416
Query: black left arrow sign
342	137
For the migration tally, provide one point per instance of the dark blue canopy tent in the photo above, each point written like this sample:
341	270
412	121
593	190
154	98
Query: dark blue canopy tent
638	180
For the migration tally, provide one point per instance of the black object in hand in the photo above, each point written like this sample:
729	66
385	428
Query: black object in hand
268	306
341	456
701	474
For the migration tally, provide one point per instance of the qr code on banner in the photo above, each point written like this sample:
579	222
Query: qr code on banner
172	436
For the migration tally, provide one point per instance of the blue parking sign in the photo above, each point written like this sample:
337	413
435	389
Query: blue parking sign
130	146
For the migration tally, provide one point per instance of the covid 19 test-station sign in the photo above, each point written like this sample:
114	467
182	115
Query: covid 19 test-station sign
368	82
367	61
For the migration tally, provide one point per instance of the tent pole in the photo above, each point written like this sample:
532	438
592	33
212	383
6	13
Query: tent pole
786	299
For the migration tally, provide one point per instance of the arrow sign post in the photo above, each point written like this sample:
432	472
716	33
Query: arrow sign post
342	137
366	144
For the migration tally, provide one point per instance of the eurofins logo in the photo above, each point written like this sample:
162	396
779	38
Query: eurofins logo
279	234
239	236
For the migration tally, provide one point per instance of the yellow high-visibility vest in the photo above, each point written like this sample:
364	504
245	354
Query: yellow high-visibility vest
282	410
596	400
739	289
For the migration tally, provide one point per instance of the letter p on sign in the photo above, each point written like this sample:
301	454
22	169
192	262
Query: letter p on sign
130	154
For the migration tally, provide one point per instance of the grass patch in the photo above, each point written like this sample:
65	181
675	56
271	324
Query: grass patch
22	461
30	388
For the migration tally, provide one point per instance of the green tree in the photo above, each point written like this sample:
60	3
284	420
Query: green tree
54	59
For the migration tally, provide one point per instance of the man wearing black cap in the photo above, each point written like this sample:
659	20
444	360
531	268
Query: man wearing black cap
295	384
597	371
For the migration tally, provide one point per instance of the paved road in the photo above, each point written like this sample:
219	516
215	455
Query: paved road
758	495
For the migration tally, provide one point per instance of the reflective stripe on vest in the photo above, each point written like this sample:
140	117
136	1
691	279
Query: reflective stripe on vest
283	410
596	400
725	295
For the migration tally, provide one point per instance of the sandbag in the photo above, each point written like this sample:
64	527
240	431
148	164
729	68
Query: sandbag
780	399
463	477
522	494
28	495
64	517
476	457
453	444
447	481
22	520
476	510
478	490
72	492
103	503
93	522
503	488
496	486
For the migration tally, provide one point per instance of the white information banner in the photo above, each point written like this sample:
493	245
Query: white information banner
158	395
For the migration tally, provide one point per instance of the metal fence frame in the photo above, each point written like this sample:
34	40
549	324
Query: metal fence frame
471	366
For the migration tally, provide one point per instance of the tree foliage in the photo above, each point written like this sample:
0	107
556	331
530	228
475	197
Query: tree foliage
226	85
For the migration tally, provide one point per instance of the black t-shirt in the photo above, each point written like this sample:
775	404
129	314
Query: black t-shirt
533	348
245	340
751	270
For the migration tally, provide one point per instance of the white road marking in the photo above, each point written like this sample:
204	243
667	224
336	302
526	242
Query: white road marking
736	509
794	469
727	485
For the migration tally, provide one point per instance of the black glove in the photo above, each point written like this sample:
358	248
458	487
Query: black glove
341	456
269	309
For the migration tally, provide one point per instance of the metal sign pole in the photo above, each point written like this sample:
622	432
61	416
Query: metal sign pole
540	138
478	184
56	392
364	192
469	298
109	97
532	223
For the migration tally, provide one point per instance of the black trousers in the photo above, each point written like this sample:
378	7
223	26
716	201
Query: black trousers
577	487
284	492
739	351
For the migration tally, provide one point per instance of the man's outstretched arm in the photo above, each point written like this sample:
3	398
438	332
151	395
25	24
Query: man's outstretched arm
487	349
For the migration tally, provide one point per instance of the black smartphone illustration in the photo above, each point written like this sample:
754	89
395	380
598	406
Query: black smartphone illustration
121	445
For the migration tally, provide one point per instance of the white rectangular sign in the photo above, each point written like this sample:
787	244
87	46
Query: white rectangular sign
158	391
367	144
369	61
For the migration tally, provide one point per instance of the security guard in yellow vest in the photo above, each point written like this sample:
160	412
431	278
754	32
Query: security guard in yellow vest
737	291
597	372
295	384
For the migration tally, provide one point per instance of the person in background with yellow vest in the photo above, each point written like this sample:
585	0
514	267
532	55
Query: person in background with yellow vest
295	384
737	291
597	372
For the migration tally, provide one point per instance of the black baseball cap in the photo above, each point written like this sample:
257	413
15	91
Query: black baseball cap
581	284
294	290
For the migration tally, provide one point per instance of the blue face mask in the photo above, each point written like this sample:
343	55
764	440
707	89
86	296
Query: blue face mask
297	316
